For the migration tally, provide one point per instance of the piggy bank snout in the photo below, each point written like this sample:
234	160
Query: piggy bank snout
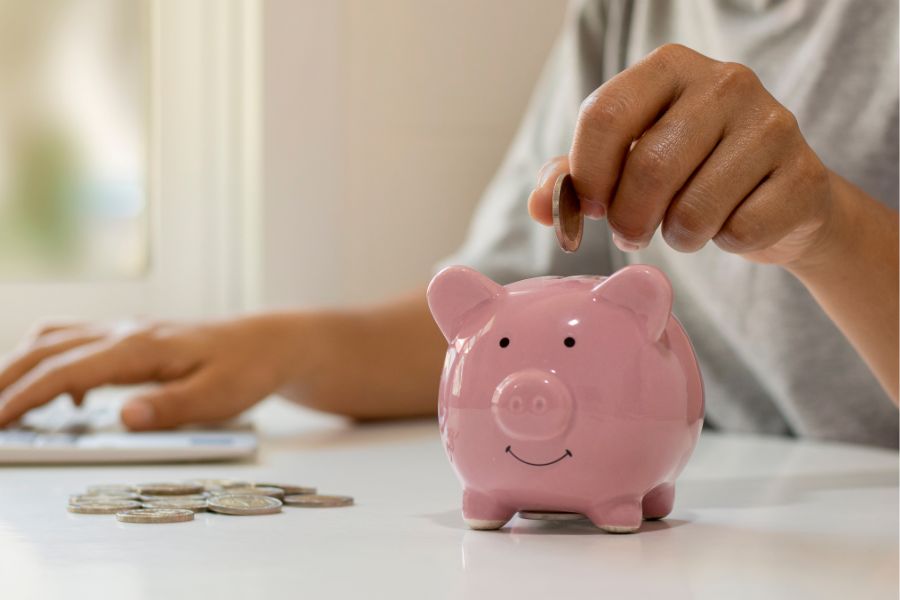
532	405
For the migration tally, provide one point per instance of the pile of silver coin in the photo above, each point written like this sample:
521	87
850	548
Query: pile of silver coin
176	502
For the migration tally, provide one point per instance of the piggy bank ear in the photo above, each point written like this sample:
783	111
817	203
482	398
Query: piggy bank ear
455	293
645	291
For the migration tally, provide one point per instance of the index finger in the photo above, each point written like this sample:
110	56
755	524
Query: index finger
16	366
76	371
617	113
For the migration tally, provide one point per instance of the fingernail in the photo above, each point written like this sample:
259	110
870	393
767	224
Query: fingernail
529	202
139	414
624	245
594	209
544	174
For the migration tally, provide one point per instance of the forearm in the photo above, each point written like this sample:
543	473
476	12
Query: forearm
380	362
854	277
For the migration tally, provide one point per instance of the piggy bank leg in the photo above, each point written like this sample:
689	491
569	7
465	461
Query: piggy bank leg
483	512
658	502
622	515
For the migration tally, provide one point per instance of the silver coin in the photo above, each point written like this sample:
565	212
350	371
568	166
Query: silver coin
177	502
103	508
111	494
155	515
110	489
152	498
290	489
318	501
550	515
244	504
567	218
169	489
98	499
252	490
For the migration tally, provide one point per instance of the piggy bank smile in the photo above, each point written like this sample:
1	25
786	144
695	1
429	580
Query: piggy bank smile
566	454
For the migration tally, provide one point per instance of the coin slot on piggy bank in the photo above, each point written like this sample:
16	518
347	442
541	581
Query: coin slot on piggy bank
574	395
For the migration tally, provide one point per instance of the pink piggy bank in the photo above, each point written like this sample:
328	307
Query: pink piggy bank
577	394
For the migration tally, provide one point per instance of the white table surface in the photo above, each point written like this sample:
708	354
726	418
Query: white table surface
754	518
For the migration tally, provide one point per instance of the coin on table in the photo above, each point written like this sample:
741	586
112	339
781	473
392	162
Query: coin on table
289	488
103	508
152	498
177	502
110	489
567	218
155	515
252	490
111	494
169	488
244	504
98	499
550	515
318	501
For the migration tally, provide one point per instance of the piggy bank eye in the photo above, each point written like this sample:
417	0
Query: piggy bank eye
569	342
504	342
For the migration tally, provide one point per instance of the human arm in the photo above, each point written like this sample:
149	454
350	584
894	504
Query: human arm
700	149
372	363
365	363
853	275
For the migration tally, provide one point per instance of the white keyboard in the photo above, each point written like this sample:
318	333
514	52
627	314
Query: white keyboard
61	433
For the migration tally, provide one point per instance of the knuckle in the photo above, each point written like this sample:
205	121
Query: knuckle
671	52
142	337
779	121
738	235
133	351
651	163
733	78
684	221
625	227
681	239
605	110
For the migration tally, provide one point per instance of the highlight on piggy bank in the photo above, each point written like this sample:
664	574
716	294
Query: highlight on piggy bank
576	394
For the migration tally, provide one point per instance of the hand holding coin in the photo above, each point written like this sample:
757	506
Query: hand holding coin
555	202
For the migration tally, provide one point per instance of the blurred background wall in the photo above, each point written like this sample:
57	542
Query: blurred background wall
189	158
384	121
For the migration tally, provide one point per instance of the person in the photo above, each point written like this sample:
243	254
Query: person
770	129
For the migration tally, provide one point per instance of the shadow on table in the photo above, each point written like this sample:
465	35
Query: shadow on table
751	492
777	490
453	519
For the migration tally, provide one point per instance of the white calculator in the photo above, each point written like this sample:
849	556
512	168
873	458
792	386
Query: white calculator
62	433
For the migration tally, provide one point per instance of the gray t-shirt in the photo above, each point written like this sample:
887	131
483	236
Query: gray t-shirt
772	360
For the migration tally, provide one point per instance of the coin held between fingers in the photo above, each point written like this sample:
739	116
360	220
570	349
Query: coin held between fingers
568	220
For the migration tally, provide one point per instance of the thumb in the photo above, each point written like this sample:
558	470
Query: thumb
541	199
183	401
